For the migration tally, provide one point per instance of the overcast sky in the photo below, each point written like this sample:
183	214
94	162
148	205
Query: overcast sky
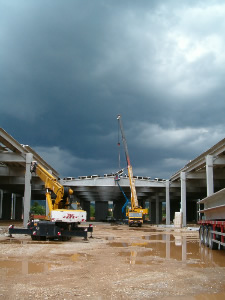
68	68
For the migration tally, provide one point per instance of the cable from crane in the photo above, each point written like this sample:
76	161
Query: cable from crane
118	144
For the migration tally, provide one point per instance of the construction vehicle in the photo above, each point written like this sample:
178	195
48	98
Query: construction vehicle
135	213
212	220
61	222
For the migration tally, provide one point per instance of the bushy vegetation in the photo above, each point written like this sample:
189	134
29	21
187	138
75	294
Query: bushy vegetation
37	209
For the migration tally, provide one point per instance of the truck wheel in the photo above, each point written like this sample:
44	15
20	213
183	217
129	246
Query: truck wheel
205	236
212	244
201	234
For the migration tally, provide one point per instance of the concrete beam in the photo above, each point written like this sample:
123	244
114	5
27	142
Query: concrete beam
196	175
12	171
12	157
220	160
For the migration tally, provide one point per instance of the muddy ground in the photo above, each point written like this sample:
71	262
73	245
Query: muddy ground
117	263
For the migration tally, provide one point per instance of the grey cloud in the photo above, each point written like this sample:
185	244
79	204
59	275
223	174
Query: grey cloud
68	68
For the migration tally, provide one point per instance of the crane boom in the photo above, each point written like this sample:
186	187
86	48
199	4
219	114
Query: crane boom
135	214
134	201
51	184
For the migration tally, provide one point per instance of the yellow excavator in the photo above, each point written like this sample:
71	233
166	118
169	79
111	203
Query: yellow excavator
59	208
62	220
135	213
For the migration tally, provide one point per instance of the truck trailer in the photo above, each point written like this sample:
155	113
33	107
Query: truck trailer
212	220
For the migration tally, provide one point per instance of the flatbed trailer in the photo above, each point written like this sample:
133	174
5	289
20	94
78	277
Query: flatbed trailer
212	220
212	233
42	230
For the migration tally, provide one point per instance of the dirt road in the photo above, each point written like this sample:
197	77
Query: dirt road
118	263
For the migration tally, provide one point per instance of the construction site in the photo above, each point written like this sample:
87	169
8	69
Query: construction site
148	239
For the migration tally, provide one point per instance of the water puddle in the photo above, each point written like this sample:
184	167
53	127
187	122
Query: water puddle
77	256
158	248
110	238
215	296
12	267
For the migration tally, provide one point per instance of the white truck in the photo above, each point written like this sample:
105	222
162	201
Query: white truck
62	222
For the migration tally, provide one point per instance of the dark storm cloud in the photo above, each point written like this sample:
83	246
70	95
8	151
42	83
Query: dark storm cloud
67	68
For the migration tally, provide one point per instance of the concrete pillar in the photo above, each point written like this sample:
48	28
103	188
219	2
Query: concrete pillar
1	202
160	212
47	210
183	197
157	209
13	206
27	191
209	175
101	210
167	202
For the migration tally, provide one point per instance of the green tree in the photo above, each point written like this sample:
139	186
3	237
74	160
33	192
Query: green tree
37	209
92	211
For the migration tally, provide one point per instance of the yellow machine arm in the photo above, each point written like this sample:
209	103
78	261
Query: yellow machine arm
51	184
134	201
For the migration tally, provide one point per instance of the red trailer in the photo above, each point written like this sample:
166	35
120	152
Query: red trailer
212	233
212	220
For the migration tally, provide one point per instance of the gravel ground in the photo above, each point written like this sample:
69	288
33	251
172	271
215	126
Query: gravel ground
117	263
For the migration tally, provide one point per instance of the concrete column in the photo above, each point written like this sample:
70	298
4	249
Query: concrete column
209	175
157	209
27	191
47	210
183	197
13	206
1	202
167	202
101	210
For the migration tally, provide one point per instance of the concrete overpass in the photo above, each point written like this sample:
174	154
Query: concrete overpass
201	177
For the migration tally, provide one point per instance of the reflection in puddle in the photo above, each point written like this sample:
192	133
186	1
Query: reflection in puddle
216	296
77	256
25	267
110	238
164	247
14	267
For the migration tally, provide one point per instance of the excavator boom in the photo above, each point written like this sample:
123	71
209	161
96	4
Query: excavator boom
58	208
